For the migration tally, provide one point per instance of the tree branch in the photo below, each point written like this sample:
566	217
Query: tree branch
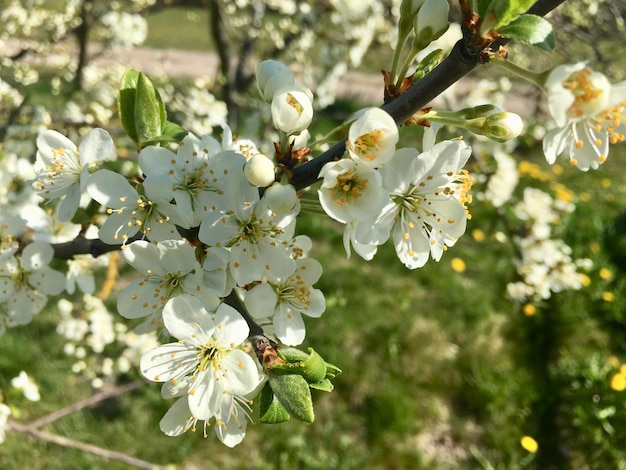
84	246
33	429
91	401
105	454
460	62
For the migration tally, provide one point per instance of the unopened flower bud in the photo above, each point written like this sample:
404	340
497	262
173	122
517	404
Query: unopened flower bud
280	198
431	21
500	126
259	170
270	76
409	8
292	109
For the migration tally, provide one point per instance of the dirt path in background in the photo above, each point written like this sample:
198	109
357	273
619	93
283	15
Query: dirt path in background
365	87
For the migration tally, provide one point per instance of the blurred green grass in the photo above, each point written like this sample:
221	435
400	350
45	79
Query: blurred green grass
165	27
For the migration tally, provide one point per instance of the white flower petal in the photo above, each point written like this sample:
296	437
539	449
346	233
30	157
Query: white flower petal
231	329
241	373
289	326
174	422
36	255
139	299
167	362
69	204
96	146
205	395
47	280
261	301
111	189
142	256
186	319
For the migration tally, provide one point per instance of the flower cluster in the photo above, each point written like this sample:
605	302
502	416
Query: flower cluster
102	347
26	281
195	224
545	264
417	199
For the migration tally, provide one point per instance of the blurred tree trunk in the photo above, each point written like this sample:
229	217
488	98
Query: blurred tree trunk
82	36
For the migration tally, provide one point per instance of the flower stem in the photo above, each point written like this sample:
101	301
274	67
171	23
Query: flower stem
533	77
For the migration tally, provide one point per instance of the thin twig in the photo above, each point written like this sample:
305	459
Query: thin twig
91	401
33	429
95	450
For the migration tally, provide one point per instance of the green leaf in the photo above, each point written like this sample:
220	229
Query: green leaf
149	111
126	102
270	409
530	29
292	391
482	7
427	64
171	133
502	12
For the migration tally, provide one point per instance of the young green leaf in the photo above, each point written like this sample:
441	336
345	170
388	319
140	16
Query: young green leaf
270	409
149	111
530	29
171	133
292	391
502	12
126	103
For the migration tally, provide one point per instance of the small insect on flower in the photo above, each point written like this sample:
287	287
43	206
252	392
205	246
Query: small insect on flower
266	352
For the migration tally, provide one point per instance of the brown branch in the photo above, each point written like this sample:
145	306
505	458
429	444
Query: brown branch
33	430
83	246
460	62
217	30
71	443
82	37
91	401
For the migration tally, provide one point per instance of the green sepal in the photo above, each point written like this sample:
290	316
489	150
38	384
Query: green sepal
150	116
291	354
427	64
480	111
126	102
530	29
311	366
292	391
332	371
270	409
324	385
